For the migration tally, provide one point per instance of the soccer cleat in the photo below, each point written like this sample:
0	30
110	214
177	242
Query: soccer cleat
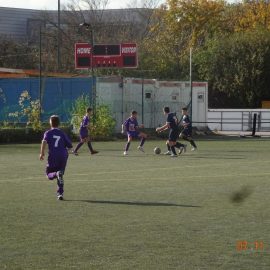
182	149
193	149
140	148
168	153
60	197
74	153
59	176
125	153
173	155
94	152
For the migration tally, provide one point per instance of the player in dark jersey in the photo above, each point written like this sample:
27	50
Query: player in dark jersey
132	127
186	133
58	143
172	125
84	138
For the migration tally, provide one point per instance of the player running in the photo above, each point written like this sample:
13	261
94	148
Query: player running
186	134
172	124
131	126
84	138
58	143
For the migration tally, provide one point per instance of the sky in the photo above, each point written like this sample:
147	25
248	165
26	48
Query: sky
53	4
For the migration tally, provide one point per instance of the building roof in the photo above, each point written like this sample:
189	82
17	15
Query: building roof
14	21
25	73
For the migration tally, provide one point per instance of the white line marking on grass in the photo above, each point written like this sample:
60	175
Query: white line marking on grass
171	178
27	180
171	168
42	178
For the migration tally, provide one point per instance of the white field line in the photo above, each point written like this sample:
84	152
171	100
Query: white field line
29	180
155	169
180	167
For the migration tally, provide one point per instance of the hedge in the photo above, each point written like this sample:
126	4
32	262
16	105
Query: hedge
26	135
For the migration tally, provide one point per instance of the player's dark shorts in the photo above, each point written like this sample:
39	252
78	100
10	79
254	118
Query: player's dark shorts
173	135
56	163
186	133
133	134
83	133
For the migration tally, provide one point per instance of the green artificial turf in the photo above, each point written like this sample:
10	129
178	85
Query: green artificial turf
143	211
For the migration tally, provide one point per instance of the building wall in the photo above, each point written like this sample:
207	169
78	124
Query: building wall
146	96
149	96
13	22
21	24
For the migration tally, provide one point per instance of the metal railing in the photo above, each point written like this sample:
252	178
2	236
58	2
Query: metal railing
237	120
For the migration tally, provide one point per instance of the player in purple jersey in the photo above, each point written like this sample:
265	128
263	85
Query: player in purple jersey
131	126
84	138
58	143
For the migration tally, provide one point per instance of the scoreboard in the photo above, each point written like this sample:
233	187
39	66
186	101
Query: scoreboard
122	55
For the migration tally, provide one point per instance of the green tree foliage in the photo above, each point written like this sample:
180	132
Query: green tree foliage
178	26
237	68
29	109
103	124
230	44
78	111
253	14
17	54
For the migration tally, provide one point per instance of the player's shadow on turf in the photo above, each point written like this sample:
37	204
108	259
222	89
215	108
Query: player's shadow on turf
135	203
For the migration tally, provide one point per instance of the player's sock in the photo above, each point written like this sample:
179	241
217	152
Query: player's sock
78	146
193	143
173	150
142	142
127	146
168	147
179	145
90	147
60	182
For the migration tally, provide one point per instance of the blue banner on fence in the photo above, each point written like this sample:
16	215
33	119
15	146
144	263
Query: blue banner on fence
57	95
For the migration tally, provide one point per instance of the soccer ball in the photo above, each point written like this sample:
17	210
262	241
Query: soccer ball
157	150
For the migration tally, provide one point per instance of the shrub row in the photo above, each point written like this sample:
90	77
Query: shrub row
26	135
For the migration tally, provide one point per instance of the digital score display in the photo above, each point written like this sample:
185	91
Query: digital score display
123	55
106	50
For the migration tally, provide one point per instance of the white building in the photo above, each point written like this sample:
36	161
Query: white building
149	96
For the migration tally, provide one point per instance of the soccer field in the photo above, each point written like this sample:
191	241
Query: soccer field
143	211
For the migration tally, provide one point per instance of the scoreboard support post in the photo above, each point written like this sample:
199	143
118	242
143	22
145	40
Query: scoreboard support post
94	88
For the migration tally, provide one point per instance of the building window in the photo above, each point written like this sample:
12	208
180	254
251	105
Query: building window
200	97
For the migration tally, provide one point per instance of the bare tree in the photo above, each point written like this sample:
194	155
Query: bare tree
109	27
